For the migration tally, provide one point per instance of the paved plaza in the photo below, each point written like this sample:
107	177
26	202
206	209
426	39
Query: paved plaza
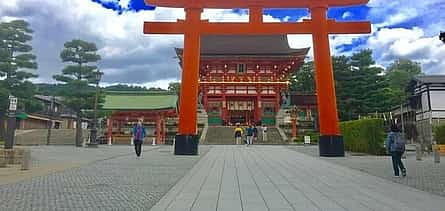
221	178
423	175
107	178
259	178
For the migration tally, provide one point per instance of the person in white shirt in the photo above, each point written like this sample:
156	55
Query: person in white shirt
264	132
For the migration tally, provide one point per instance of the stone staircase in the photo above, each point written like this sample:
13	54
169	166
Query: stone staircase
283	116
224	135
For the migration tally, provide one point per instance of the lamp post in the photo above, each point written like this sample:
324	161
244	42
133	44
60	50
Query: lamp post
10	130
9	143
93	136
294	116
50	122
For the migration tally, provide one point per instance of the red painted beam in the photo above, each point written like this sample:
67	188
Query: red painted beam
305	27
229	4
164	28
359	27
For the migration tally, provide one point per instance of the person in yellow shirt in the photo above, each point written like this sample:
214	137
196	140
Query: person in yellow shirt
238	133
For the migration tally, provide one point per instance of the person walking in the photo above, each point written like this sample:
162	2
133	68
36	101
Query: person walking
249	135
264	132
395	145
255	133
238	133
138	137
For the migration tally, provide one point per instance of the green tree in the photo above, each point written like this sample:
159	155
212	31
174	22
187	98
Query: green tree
124	87
303	80
348	103
399	74
361	87
155	89
78	75
16	65
174	86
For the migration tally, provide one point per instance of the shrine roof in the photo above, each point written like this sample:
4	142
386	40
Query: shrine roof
131	100
242	45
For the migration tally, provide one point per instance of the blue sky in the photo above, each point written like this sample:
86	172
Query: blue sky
400	29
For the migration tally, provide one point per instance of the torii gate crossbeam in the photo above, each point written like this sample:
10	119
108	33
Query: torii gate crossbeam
331	142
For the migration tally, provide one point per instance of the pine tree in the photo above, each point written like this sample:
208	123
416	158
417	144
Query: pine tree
16	65
78	75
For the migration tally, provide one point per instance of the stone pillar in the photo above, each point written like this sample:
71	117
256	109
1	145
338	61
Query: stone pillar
110	130
158	129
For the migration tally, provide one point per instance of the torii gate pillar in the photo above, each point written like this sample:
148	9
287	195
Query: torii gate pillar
186	142
330	143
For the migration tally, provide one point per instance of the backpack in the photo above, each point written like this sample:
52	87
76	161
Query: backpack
237	133
399	142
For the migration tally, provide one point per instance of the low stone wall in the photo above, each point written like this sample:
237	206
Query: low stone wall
11	156
39	136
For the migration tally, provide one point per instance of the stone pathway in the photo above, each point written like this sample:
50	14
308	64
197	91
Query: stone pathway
108	178
259	178
50	159
423	175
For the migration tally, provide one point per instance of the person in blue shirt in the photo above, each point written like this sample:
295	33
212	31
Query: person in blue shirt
395	145
249	135
138	137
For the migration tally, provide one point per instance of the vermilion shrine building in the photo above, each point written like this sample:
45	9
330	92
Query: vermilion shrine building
126	108
244	79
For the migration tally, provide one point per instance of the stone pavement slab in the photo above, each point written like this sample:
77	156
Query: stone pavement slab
104	180
278	178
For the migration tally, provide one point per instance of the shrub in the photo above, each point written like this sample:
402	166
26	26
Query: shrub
314	137
439	134
366	136
299	140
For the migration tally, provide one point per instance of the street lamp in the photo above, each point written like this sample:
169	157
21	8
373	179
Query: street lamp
93	136
11	126
50	112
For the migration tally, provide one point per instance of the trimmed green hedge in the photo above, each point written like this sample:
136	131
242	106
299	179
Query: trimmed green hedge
366	136
439	134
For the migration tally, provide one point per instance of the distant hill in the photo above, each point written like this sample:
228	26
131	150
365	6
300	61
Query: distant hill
123	87
49	89
54	89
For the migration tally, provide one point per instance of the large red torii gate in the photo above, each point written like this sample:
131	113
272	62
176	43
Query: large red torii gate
331	142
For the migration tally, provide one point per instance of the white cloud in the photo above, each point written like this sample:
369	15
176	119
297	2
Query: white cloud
129	56
124	48
427	14
391	44
347	15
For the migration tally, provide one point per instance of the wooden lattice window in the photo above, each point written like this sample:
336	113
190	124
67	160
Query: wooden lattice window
241	68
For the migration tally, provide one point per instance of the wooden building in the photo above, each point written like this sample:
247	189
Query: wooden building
52	110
